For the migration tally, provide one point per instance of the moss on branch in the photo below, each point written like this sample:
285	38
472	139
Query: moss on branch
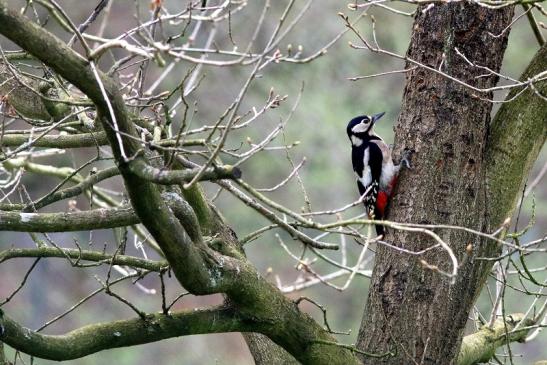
58	141
22	99
98	337
185	258
68	221
102	218
198	268
481	346
163	177
517	134
80	140
168	177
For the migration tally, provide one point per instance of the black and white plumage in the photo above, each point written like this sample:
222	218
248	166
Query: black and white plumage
372	162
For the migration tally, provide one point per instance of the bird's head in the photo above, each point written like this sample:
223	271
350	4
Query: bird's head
361	127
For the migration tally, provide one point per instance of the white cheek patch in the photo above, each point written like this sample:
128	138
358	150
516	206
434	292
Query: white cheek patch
356	141
360	128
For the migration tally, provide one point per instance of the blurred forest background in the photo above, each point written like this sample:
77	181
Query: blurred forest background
318	124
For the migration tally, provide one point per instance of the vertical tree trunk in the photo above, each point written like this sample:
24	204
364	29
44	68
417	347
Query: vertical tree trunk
411	308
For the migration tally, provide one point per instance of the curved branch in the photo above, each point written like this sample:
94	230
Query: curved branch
76	189
197	267
87	255
97	337
185	214
185	258
146	172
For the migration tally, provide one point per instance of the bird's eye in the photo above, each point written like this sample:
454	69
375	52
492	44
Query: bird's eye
363	126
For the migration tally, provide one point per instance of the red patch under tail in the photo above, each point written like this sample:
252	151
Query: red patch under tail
381	203
384	196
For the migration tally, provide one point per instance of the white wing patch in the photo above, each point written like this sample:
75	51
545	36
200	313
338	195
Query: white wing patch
367	175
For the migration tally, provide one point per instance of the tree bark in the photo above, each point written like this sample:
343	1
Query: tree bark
410	307
21	98
516	136
445	113
482	345
266	352
3	360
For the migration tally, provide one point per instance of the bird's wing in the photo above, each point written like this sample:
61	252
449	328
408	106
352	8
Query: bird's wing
357	154
374	166
389	172
375	161
384	149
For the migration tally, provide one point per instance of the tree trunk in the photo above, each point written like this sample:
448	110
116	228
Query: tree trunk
411	308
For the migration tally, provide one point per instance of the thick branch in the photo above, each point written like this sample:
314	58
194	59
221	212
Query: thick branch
481	346
97	337
22	99
57	141
198	268
265	352
102	218
81	140
68	221
517	135
184	257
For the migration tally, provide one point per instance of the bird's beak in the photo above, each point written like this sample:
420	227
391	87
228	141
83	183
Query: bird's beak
377	116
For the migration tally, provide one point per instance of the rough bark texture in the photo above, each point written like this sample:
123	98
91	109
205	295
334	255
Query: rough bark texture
453	169
23	100
409	307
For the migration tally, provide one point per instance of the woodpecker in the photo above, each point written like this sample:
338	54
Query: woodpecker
376	173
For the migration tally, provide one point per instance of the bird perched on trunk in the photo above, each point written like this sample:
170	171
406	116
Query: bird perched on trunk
376	173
